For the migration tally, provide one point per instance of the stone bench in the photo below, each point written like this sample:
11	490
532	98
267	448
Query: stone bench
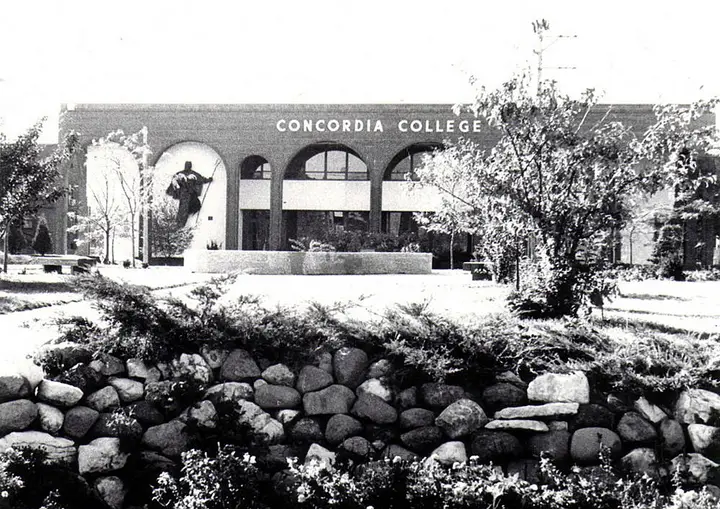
55	263
479	270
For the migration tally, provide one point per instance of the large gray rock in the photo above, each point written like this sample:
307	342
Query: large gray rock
697	406
279	374
137	368
673	437
336	399
103	399
380	368
275	397
306	431
633	428
317	453
17	415
145	413
554	387
128	390
438	396
374	409
495	446
13	387
57	449
357	448
461	418
416	418
58	394
554	444
79	420
705	440
201	415
83	377
587	442
422	440
376	387
407	398
111	490
263	428
101	455
546	411
51	419
340	427
696	469
287	416
449	453
592	415
503	395
349	365
313	379
641	461
108	365
649	411
517	425
239	366
229	392
191	367
214	356
171	438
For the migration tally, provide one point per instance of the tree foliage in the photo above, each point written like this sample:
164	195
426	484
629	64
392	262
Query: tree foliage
562	171
42	243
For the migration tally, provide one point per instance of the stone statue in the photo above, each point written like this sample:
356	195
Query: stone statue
186	186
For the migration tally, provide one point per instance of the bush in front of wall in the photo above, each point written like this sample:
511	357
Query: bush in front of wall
42	243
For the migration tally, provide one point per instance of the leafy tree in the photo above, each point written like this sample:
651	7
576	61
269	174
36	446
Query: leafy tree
28	180
16	240
42	243
168	239
562	171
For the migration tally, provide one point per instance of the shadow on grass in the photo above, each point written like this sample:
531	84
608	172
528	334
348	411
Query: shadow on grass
639	325
36	286
647	296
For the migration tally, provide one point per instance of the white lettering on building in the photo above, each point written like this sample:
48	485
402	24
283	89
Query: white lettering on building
358	125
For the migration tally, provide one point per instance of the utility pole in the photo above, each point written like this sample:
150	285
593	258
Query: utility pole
541	28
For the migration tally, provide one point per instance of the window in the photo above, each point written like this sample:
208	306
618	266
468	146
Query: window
327	162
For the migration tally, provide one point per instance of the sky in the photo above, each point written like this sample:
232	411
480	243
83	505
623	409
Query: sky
343	51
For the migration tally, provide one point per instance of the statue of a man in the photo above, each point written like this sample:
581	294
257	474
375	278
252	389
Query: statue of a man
186	186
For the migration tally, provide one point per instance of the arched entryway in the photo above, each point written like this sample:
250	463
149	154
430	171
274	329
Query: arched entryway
254	203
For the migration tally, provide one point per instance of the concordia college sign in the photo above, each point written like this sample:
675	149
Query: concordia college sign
376	126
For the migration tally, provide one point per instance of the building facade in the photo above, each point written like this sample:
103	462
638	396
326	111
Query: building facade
280	170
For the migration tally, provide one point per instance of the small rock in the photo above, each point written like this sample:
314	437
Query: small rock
306	431
17	415
439	396
407	398
380	368
394	451
696	469
616	403
51	419
634	429
318	453
641	461
101	455
673	438
145	413
511	378
286	416
169	438
697	406
111	490
83	377
57	449
705	440
191	366
279	374
325	362
374	409
587	442
503	395
357	448
555	444
214	357
202	414
349	365
136	368
239	366
336	399
416	418
58	394
340	427
79	420
229	392
259	383
103	399
154	375
554	387
13	387
517	424
375	387
449	453
461	418
108	365
546	411
651	412
128	390
495	446
422	440
313	379
274	397
264	429
63	355
592	415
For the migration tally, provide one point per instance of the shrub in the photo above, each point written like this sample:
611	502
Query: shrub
667	253
42	243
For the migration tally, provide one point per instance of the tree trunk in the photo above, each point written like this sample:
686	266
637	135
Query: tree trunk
132	240
6	244
107	244
452	246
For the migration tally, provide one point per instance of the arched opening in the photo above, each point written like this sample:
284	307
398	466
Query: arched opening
189	192
254	203
408	160
326	194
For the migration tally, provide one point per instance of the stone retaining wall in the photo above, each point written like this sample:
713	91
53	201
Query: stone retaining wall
119	423
312	263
